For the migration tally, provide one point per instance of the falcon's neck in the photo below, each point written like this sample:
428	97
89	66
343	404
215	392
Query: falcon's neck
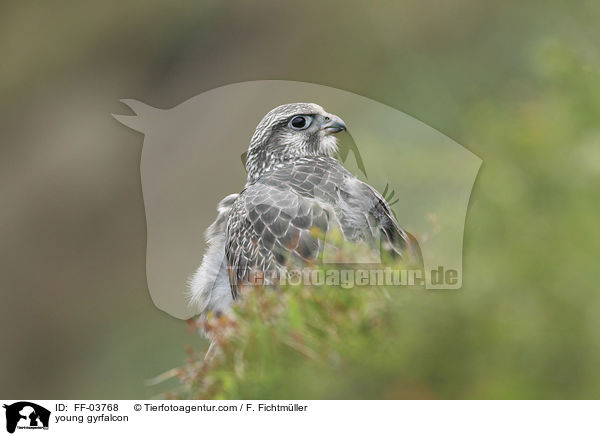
261	167
262	159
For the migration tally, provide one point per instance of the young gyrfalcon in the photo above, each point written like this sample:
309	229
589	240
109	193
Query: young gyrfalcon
294	186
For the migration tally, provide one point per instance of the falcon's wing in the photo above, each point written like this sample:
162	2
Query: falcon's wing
269	226
365	215
396	240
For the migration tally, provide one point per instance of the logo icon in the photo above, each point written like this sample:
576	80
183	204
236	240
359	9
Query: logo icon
190	162
26	415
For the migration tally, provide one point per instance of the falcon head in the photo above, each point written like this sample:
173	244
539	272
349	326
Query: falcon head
292	131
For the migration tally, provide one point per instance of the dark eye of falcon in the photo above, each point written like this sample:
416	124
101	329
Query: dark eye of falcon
300	122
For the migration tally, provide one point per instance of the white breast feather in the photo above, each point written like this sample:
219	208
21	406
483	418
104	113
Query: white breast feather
209	287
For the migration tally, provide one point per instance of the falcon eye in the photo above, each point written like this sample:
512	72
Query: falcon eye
300	122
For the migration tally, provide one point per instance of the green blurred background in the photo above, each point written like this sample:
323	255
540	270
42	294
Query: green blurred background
517	83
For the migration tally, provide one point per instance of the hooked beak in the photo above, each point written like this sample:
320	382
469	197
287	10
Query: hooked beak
333	124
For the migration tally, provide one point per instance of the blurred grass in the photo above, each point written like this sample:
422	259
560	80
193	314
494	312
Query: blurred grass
518	83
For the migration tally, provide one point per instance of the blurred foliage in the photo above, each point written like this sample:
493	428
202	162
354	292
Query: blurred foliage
297	342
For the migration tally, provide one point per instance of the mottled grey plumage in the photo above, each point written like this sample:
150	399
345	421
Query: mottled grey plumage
294	185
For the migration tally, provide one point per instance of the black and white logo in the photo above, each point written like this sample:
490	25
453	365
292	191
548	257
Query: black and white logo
26	415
